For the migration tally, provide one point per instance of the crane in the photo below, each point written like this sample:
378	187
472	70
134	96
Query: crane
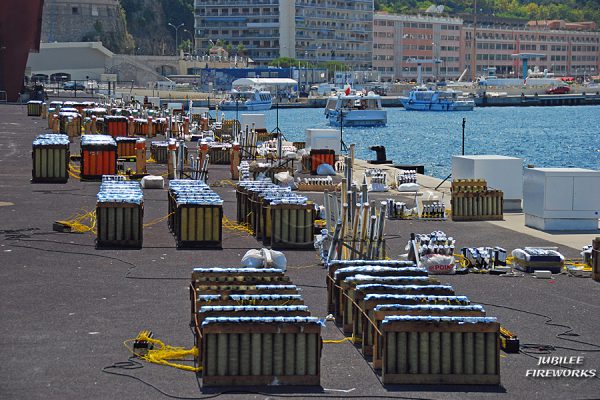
420	63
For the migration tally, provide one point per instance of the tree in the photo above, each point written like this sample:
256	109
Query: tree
241	50
185	45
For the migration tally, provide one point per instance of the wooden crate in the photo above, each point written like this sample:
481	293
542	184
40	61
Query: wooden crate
441	350
115	126
125	146
98	160
261	351
292	226
240	276
50	163
473	201
360	312
371	331
306	187
336	278
347	292
219	155
242	311
199	226
119	225
334	265
34	108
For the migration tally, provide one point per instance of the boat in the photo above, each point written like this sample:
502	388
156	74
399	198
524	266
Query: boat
250	100
355	110
425	99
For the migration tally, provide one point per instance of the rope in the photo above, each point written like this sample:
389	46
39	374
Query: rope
85	221
163	353
352	339
158	220
233	226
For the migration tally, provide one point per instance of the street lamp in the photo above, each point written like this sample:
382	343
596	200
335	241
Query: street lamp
191	42
176	31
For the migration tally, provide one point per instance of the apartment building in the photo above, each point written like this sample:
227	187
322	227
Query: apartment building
566	49
400	39
308	30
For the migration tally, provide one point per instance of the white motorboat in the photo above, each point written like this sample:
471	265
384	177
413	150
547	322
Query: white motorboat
251	100
355	110
425	99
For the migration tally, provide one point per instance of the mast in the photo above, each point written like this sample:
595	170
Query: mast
474	48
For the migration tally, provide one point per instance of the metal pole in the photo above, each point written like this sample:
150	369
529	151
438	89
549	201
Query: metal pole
474	43
463	135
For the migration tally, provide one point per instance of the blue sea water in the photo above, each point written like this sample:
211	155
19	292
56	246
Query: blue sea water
543	136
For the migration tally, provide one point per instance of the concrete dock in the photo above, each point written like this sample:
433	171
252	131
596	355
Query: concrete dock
67	307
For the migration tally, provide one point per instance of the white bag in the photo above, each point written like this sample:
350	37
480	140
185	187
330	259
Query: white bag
264	258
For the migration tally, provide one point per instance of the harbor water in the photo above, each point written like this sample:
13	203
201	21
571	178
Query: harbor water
566	136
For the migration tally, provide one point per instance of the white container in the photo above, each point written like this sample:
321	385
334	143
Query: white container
324	139
561	198
246	120
501	172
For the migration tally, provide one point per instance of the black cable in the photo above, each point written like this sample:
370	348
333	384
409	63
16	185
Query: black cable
127	276
132	364
546	349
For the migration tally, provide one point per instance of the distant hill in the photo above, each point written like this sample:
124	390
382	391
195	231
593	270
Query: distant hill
569	10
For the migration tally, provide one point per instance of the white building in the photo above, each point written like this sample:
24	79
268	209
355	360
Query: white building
308	30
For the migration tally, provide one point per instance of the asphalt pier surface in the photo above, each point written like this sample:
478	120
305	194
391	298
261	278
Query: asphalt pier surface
66	307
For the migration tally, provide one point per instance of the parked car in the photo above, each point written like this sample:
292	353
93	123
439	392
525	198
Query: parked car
73	86
558	90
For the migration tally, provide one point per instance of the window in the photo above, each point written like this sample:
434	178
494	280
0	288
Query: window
74	10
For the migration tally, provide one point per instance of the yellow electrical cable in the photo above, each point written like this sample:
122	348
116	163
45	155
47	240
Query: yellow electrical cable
164	353
158	220
85	221
352	339
234	226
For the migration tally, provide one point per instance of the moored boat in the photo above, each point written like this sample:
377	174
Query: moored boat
355	110
252	100
425	99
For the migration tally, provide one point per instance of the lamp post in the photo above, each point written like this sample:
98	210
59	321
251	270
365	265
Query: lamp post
176	32
192	44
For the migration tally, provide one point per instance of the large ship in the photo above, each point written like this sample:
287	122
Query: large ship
20	32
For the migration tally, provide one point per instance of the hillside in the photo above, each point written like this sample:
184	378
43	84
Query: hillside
147	22
569	10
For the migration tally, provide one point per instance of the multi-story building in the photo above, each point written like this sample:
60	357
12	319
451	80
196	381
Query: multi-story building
565	49
307	30
398	40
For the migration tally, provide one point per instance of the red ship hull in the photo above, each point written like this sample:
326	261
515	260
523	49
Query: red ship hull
20	32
